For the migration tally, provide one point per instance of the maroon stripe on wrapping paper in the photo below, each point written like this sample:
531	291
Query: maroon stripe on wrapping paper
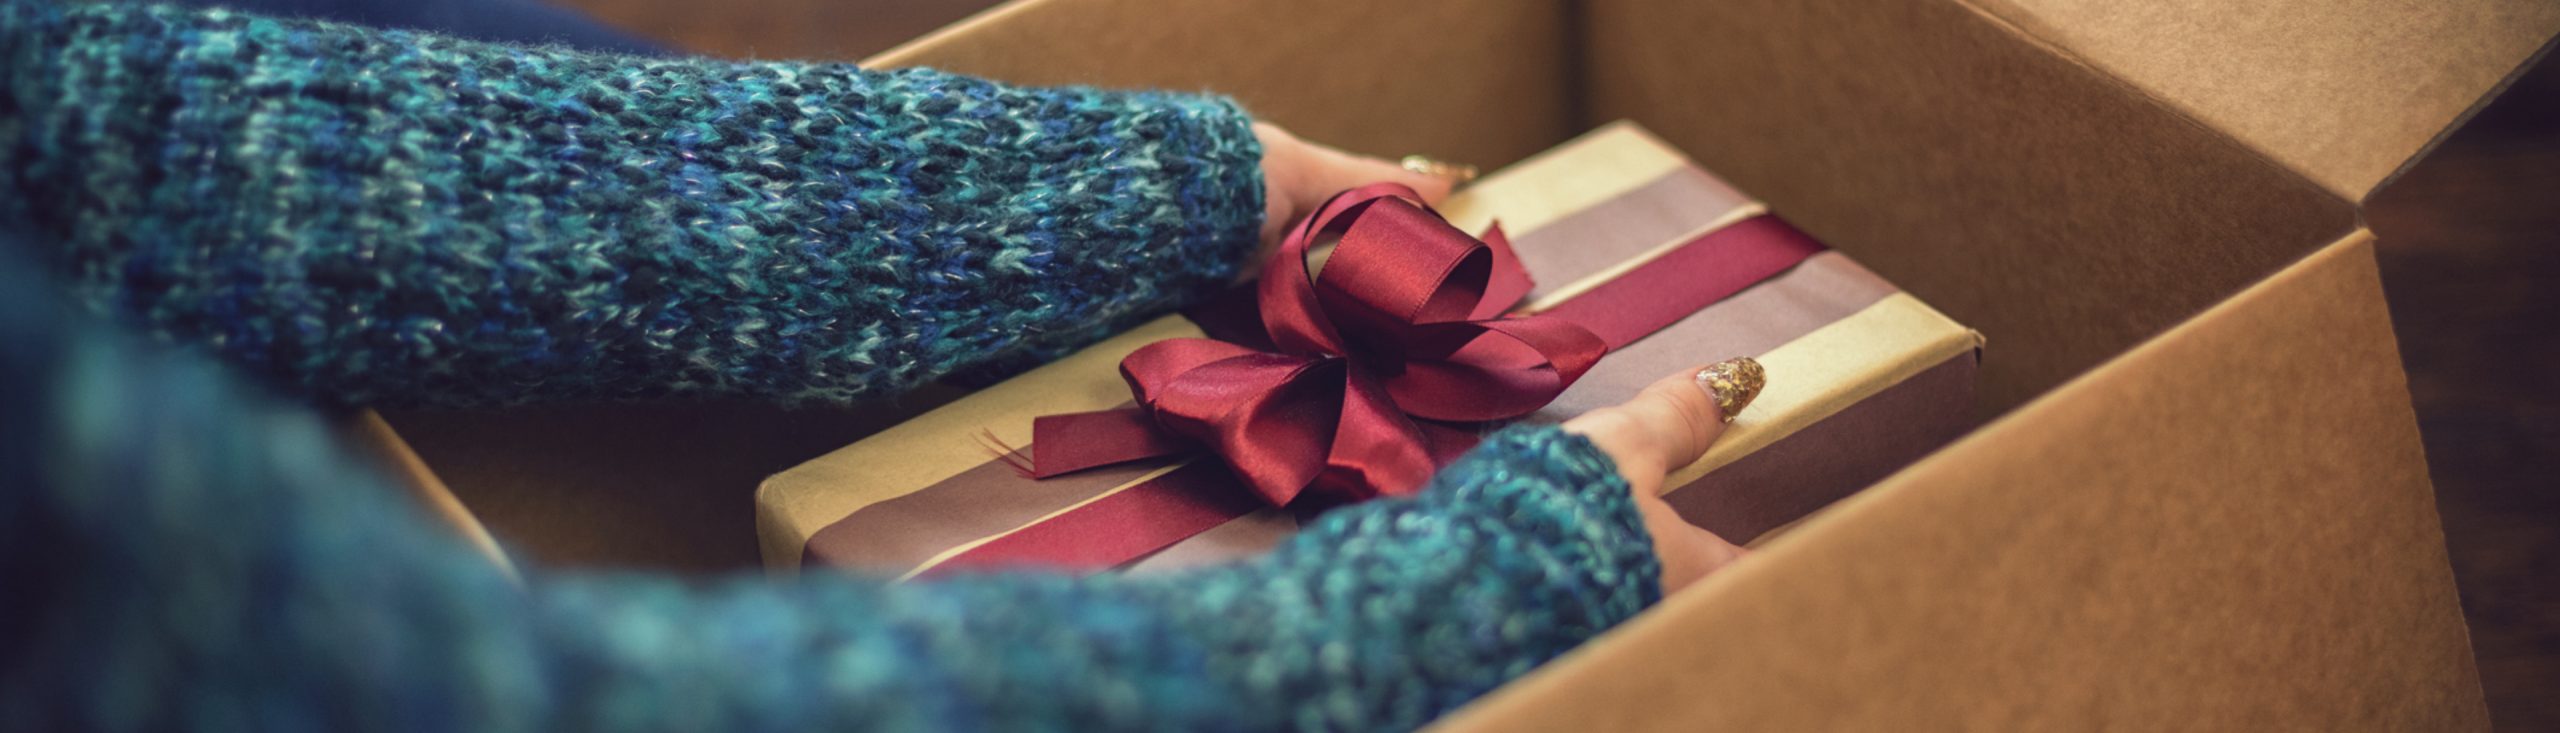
903	532
1823	290
900	533
1562	252
1831	459
1654	295
1826	288
1247	536
1120	527
1690	277
1606	234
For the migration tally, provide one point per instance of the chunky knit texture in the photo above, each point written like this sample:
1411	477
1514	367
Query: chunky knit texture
390	217
181	553
366	217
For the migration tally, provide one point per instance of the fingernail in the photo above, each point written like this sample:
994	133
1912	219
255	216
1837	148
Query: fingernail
1733	384
1456	173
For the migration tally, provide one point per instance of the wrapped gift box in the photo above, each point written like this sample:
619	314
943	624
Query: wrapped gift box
2196	499
1866	379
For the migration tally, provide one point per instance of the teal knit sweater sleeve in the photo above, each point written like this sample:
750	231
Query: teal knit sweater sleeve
374	216
180	553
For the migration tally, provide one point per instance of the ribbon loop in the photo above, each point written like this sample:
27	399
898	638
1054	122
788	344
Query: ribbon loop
1403	324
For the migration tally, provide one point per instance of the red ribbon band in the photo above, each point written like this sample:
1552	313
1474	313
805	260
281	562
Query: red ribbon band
1378	369
1369	365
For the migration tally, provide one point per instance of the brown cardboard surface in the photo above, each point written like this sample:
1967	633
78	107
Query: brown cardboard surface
2061	213
2228	528
2345	91
1483	83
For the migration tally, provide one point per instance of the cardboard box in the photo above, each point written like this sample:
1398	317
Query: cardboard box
1868	379
2199	500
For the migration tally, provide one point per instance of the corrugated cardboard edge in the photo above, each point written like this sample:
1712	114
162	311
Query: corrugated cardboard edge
1370	62
2269	556
370	434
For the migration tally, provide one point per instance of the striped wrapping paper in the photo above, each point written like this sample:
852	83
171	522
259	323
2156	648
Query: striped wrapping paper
1863	379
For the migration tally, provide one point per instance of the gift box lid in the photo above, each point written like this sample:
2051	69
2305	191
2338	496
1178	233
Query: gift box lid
1867	368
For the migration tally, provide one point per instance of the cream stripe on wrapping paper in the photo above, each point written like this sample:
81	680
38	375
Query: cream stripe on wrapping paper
792	506
1538	191
1612	272
1821	373
1840	355
1598	166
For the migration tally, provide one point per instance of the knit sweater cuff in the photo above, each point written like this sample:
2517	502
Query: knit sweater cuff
1224	204
1559	489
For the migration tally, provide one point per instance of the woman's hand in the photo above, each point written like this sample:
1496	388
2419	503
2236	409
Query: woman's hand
1297	176
1669	425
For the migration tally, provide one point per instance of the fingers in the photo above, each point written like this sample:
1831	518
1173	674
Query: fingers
1672	422
1668	425
1337	171
1299	175
1688	552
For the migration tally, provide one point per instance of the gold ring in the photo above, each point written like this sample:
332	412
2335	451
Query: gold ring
1424	165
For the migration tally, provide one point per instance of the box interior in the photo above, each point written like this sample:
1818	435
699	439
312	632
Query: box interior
1976	157
2265	554
2203	484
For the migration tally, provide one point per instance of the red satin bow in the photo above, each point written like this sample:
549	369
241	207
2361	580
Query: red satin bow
1368	367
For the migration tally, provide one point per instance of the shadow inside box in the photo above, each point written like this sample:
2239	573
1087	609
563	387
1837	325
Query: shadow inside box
654	486
2469	243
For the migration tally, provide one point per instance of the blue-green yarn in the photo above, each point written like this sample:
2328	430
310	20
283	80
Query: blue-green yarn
183	553
381	217
387	217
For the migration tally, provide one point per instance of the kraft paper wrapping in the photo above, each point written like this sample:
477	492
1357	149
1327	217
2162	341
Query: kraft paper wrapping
1864	379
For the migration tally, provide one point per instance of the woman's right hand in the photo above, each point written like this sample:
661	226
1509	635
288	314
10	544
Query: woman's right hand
1667	426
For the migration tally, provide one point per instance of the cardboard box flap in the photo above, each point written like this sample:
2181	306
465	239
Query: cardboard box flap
1966	162
2346	92
1485	83
2266	556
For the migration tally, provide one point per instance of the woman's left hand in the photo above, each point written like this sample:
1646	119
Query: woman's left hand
1297	176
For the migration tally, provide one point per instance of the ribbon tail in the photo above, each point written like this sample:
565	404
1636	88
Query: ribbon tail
1075	441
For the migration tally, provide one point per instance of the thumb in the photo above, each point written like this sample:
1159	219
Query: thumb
1669	425
1673	421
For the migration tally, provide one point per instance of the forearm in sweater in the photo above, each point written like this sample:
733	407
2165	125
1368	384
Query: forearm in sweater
391	217
183	554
